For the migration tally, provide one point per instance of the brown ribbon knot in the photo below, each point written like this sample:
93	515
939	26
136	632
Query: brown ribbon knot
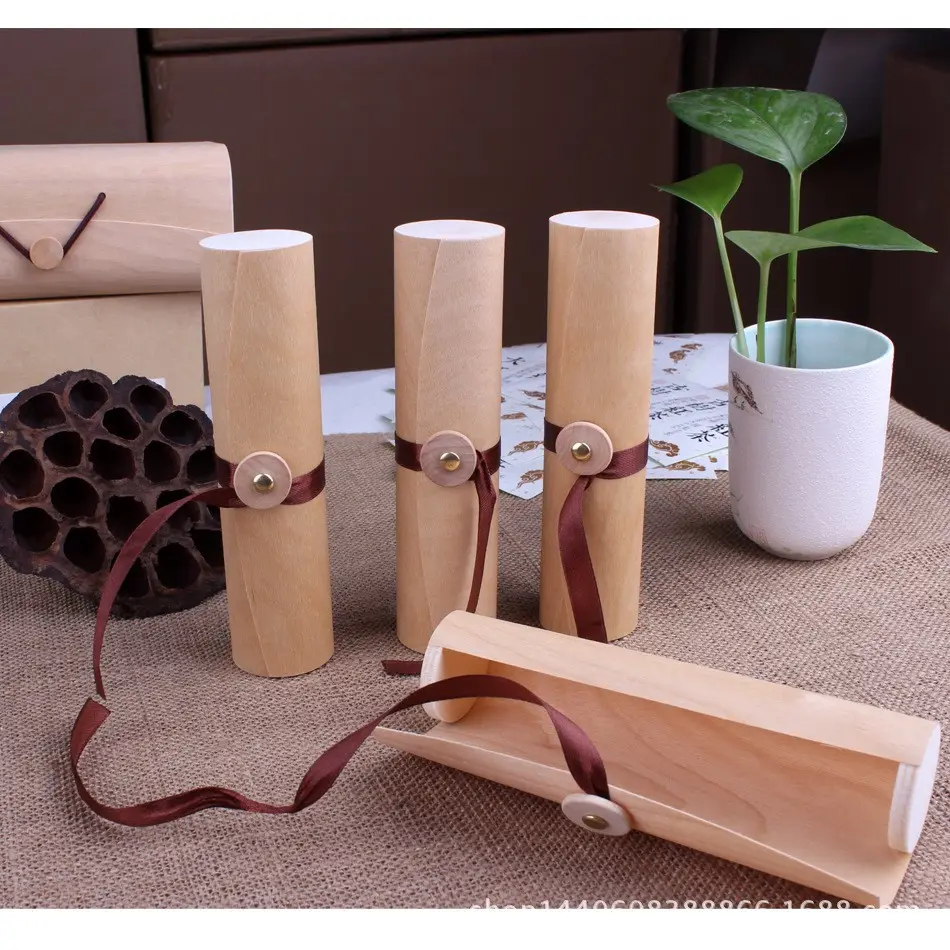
572	539
409	455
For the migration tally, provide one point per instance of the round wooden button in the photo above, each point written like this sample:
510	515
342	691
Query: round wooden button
262	480
596	814
448	458
46	253
584	448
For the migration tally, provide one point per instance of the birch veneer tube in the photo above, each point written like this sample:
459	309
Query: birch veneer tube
261	330
601	302
829	793
448	314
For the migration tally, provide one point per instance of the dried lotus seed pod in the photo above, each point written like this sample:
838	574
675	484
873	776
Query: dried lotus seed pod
83	461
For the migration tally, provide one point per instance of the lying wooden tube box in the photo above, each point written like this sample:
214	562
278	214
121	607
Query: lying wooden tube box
828	793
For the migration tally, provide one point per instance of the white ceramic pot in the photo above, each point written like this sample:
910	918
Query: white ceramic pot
806	445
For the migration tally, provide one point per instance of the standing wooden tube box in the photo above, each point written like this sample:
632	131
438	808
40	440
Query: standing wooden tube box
261	329
448	311
601	303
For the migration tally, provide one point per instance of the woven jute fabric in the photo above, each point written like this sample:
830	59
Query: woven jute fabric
871	625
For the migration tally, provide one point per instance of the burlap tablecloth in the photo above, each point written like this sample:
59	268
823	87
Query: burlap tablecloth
871	625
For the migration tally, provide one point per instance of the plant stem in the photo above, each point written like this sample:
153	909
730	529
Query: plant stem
764	268
731	288
791	296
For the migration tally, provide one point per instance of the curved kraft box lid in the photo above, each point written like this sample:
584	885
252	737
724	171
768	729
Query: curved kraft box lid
161	200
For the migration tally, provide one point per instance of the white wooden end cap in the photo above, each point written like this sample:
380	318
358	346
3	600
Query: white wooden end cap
596	814
912	791
262	480
450	229
448	458
440	664
605	220
248	241
584	448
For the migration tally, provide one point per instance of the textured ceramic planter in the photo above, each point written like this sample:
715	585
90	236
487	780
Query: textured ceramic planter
806	445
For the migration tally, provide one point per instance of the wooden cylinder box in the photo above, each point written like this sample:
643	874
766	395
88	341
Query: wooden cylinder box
261	330
99	259
824	792
448	312
601	301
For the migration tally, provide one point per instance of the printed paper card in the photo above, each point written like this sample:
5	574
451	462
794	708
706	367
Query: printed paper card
687	421
696	358
691	468
522	443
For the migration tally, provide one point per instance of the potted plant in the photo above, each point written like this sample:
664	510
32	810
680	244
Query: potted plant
808	397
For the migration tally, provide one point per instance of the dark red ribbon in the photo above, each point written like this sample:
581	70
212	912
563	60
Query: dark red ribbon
409	455
578	568
580	754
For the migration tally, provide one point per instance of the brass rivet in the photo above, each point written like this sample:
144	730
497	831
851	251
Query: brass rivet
595	822
581	451
263	483
450	461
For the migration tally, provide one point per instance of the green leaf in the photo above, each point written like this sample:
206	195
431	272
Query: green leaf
766	246
861	231
866	232
792	128
710	191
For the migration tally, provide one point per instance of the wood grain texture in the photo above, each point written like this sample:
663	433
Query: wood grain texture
261	332
161	200
601	300
782	780
448	317
153	335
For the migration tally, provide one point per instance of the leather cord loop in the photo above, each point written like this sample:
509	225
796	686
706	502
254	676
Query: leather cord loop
89	215
579	574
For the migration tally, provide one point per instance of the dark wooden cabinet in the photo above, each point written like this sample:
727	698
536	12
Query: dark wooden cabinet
910	292
348	140
70	87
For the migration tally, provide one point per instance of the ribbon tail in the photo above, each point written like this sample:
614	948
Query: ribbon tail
133	547
580	755
578	568
487	499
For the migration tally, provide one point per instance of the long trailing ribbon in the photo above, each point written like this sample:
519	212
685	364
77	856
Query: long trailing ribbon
581	756
409	455
578	568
